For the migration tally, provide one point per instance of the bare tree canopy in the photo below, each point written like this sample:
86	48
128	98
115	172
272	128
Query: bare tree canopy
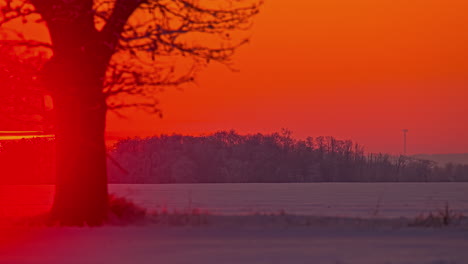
153	44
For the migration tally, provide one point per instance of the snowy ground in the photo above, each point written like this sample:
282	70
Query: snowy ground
367	231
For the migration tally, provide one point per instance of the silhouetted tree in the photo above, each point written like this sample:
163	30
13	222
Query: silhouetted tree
107	55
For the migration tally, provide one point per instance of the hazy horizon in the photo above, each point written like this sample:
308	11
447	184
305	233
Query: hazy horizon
114	136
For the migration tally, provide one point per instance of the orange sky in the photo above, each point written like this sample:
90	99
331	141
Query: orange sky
360	70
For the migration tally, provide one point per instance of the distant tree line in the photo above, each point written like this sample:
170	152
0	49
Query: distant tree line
228	157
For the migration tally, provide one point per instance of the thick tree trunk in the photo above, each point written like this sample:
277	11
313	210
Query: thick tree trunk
75	75
81	189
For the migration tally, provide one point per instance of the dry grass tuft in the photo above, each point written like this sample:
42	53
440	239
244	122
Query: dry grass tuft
124	211
440	218
189	217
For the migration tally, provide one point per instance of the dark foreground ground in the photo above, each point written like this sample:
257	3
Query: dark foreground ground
237	240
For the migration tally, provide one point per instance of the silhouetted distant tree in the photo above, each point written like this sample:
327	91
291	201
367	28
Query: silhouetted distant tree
107	55
22	100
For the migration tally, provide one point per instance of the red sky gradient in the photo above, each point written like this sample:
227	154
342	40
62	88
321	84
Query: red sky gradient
360	70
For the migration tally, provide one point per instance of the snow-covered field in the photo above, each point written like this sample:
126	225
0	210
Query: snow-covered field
327	199
364	226
330	199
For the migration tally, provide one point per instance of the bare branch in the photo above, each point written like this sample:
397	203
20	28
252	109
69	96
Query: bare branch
153	41
25	43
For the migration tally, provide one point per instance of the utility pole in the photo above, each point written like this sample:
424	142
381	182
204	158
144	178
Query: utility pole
404	140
